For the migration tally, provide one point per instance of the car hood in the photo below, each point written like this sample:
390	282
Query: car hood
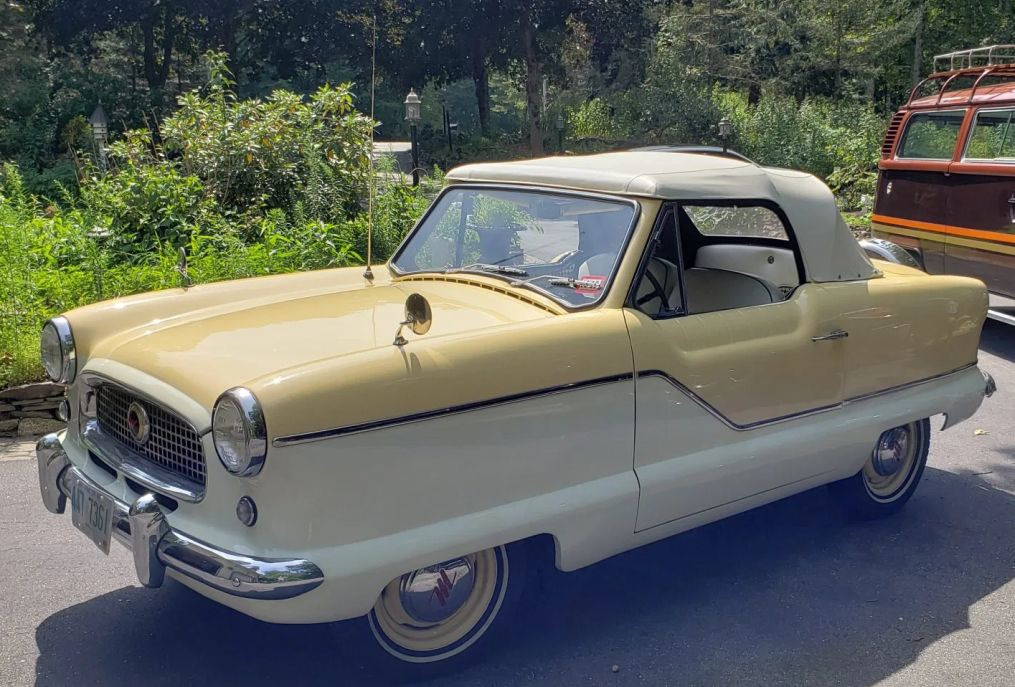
206	351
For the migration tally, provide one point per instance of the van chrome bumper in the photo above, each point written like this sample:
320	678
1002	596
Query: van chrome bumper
142	527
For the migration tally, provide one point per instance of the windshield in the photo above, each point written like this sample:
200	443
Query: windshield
567	246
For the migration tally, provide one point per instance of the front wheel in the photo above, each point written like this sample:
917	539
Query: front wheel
891	473
437	619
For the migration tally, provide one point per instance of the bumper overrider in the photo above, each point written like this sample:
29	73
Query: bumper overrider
141	526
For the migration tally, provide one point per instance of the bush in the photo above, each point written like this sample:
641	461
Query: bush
593	119
275	153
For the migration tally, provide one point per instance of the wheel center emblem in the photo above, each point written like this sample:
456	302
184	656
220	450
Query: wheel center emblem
138	424
443	586
434	594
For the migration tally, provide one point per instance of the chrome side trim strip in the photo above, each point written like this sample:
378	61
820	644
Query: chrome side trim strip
320	435
793	416
908	385
714	412
162	547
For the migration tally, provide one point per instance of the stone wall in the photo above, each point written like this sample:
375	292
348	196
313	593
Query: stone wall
30	410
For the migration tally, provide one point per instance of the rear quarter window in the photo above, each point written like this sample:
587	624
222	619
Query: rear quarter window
931	135
747	220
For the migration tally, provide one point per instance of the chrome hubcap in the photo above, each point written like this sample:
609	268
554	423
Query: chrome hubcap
434	594
891	452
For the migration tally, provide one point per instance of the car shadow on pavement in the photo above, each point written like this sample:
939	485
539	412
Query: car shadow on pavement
998	339
790	594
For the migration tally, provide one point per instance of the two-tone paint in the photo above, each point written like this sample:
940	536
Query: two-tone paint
956	214
604	429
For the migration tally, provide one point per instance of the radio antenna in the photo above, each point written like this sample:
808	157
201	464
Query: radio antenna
368	273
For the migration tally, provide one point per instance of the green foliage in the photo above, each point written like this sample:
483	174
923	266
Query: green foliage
150	201
836	140
121	234
593	119
273	153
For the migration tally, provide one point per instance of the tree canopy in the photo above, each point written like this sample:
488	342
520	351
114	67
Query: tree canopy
635	69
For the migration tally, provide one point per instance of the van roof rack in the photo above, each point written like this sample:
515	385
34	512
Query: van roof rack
979	65
985	56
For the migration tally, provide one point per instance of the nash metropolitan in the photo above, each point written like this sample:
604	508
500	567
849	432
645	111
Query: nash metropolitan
566	358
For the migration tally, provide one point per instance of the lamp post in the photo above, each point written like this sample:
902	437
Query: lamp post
100	130
725	129
412	115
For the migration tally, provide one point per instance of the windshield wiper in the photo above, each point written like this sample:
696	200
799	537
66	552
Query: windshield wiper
485	267
577	283
570	282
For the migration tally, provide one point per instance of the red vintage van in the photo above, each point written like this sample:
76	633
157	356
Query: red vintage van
946	185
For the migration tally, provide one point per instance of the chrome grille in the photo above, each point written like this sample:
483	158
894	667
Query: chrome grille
172	443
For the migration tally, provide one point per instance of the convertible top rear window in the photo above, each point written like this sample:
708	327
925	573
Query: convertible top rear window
737	220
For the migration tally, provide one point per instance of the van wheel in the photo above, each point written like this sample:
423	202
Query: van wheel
891	473
440	618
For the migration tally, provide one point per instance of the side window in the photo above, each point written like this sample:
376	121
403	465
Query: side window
993	137
931	135
711	257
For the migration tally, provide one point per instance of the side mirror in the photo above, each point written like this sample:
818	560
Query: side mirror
418	317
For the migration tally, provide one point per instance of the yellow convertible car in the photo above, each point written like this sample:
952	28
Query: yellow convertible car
565	359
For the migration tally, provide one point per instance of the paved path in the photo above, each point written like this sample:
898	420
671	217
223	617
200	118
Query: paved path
400	151
17	449
789	594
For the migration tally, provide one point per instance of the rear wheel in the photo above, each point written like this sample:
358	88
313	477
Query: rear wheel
439	618
891	473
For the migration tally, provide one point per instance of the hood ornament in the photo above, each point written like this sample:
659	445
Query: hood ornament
181	267
417	315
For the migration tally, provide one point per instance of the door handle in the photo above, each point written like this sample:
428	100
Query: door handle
831	336
1011	208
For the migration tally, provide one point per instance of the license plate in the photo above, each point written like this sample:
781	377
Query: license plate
92	513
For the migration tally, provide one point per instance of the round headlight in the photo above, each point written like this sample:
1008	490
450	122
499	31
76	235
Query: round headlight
58	356
239	433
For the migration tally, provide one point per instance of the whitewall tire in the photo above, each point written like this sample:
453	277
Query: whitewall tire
439	618
890	475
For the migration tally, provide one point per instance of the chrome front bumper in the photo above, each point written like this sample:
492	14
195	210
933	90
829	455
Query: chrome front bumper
142	527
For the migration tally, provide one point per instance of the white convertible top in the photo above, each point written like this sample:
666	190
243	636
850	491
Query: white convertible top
830	252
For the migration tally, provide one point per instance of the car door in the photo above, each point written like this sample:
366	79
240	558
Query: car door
720	394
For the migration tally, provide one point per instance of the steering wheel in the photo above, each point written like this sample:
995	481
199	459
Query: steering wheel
656	292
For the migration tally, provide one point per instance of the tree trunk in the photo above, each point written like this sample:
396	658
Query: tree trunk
168	36
533	83
753	92
156	74
151	70
918	44
228	37
481	79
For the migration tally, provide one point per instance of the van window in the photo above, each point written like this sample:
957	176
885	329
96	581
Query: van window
993	137
931	135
